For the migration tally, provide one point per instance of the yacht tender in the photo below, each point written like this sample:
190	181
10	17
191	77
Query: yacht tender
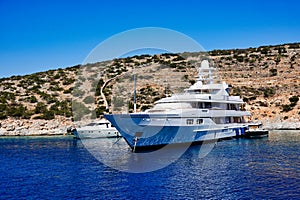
101	129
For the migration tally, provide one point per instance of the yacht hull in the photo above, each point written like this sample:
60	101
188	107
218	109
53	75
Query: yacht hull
140	132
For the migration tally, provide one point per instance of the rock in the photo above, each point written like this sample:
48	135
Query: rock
22	131
53	124
282	125
20	123
2	132
10	128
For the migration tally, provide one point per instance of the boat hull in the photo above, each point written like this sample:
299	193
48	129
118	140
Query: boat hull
105	133
256	133
140	134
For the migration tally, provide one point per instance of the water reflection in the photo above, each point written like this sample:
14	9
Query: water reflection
115	153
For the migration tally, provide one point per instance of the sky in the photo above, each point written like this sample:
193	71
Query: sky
41	35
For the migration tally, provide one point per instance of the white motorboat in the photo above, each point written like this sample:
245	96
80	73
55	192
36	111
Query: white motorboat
255	130
101	129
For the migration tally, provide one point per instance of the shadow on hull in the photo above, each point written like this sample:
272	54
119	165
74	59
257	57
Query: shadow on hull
144	149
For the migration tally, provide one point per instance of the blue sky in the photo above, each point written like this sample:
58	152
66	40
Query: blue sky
40	35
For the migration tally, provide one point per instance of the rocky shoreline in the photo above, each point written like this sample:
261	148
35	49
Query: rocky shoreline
59	126
279	124
26	127
282	126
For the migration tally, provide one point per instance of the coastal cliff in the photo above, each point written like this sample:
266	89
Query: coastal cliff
267	78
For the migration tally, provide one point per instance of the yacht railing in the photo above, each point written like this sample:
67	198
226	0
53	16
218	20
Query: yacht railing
209	97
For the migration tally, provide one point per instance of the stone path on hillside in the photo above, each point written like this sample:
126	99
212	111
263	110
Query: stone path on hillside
102	88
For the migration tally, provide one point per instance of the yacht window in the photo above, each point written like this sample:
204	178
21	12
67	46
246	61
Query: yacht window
231	107
197	105
228	119
207	104
237	120
199	121
189	121
217	120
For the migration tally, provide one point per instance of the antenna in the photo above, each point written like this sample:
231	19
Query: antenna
134	103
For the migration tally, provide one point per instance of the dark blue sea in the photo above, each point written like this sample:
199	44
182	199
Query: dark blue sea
63	168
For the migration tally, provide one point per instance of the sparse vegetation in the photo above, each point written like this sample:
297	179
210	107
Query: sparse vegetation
273	72
89	100
286	108
259	75
268	92
293	102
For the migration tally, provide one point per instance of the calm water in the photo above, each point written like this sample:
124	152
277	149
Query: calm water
61	168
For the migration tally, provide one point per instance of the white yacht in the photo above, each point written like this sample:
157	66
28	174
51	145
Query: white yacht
101	129
205	111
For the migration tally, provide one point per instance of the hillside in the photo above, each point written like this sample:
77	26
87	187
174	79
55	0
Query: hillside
266	77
